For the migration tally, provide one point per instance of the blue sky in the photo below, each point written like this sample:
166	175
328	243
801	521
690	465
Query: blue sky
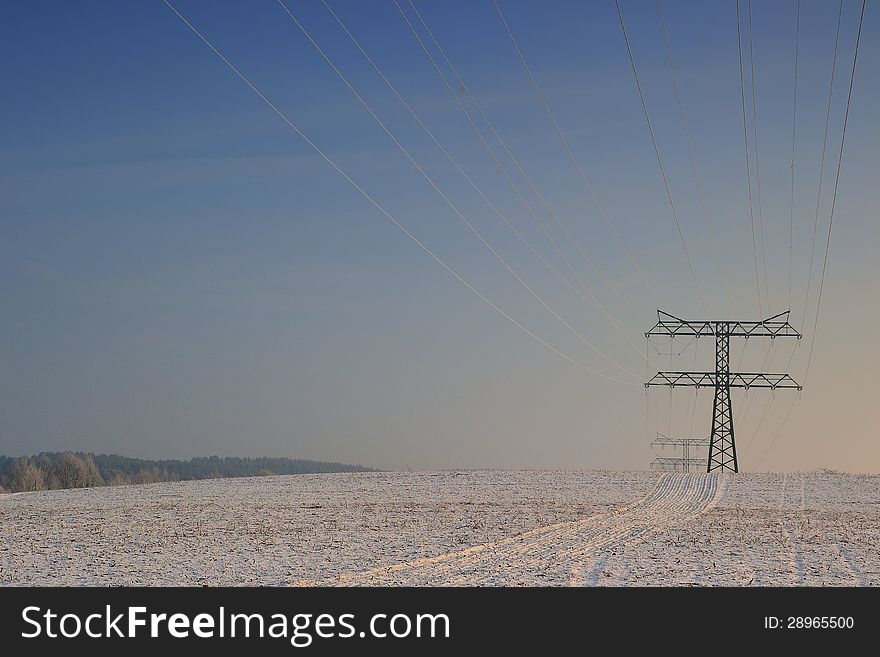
183	275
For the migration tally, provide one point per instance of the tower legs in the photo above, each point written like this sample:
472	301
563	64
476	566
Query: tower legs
722	447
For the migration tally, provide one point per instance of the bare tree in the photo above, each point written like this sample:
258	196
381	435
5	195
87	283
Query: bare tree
72	471
89	473
25	476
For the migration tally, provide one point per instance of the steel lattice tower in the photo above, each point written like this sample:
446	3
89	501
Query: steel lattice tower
722	445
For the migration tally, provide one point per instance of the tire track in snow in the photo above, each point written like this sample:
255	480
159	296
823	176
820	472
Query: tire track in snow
795	563
799	565
598	569
857	573
673	500
565	553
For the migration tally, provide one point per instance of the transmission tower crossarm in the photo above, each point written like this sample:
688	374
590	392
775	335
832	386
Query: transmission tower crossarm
772	327
736	380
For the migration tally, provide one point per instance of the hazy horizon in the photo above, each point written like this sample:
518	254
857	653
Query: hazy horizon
183	276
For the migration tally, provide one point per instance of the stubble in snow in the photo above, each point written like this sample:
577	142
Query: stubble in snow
451	528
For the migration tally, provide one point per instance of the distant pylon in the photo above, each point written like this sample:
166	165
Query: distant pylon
683	463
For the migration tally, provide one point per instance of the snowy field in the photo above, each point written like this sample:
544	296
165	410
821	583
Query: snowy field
451	528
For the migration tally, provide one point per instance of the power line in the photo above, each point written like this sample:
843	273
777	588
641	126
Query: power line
573	157
797	30
833	205
773	399
822	162
764	366
693	158
767	404
513	158
659	159
449	202
778	431
681	351
380	207
516	162
836	183
696	395
742	86
694	411
589	299
797	34
757	158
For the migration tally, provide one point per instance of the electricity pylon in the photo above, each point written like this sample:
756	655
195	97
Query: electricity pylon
722	445
685	461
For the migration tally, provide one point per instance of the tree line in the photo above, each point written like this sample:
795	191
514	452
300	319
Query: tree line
53	470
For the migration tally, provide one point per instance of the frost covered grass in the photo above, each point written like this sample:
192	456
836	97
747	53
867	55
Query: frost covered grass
442	528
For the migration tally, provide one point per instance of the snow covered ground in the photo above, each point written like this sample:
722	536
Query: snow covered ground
451	528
